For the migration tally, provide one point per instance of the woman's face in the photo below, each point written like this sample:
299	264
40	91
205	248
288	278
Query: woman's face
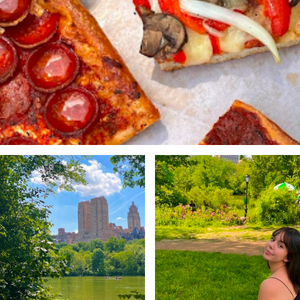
276	250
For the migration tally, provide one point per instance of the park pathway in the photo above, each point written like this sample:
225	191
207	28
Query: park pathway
223	246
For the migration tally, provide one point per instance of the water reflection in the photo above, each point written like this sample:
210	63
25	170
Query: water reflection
95	288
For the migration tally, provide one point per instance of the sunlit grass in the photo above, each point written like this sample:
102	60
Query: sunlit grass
233	233
191	275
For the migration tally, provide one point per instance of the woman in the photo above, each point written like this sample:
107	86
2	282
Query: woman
282	253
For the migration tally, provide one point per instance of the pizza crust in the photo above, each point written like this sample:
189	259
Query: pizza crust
171	66
273	131
124	108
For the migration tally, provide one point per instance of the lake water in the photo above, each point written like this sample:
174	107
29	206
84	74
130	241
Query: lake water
95	288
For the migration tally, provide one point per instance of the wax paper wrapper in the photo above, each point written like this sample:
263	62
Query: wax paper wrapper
191	100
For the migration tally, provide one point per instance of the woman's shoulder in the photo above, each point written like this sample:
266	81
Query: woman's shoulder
270	289
269	284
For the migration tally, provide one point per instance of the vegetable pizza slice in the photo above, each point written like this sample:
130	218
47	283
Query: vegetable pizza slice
181	33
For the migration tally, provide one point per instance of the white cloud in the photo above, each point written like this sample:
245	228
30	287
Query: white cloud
36	177
120	218
76	230
99	183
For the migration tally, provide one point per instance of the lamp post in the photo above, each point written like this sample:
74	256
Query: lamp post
247	178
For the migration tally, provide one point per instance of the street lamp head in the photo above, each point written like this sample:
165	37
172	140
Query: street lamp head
247	177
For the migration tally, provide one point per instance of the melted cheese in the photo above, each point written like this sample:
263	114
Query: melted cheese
234	40
295	19
198	49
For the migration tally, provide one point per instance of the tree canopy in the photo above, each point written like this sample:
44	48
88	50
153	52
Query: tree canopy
131	167
184	179
27	252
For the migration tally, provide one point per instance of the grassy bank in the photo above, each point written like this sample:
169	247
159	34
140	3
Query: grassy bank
198	275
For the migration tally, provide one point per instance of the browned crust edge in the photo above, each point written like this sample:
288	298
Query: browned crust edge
97	39
171	66
274	132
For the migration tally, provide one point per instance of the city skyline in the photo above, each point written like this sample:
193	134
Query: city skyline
101	182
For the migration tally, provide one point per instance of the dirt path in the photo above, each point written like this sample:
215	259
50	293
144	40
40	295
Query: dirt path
236	247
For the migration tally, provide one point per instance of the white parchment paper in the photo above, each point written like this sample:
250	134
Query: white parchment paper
191	100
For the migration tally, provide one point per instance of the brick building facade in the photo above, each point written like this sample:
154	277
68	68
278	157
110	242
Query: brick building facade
93	223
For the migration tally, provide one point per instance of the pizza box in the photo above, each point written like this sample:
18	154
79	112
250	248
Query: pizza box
191	100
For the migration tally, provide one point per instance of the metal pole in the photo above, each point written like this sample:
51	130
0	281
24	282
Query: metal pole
246	208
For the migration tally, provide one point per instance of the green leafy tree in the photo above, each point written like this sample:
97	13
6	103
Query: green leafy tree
68	253
114	245
96	244
131	167
83	246
27	252
277	207
273	169
98	265
122	263
174	160
138	251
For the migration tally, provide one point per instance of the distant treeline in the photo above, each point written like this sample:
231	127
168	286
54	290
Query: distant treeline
115	257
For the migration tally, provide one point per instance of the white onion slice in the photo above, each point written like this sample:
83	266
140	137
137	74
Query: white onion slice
218	13
155	6
212	31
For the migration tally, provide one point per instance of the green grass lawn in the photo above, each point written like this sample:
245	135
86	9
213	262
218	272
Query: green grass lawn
191	275
233	233
246	233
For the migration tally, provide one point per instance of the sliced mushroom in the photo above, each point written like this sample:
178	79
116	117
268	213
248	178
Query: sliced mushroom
164	34
293	2
217	2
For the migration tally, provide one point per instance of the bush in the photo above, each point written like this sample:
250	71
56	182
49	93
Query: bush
170	196
277	207
210	196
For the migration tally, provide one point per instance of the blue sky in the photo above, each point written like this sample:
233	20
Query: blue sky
102	181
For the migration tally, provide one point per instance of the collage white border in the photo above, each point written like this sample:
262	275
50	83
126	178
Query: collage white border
150	152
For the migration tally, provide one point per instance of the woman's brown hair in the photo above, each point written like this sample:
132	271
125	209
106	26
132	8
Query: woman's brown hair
291	239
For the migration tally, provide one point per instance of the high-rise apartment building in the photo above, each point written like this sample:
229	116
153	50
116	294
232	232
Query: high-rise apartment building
133	218
84	218
93	223
99	217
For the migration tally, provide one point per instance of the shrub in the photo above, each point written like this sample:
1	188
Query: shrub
277	207
170	196
210	196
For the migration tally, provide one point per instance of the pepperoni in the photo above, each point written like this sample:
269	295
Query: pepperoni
71	111
20	141
8	59
13	11
52	67
15	98
34	31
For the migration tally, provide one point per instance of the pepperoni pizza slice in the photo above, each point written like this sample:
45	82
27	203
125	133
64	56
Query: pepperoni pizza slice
61	81
244	125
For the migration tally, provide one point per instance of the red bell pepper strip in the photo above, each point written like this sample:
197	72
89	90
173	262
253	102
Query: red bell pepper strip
215	43
279	12
144	3
180	57
253	43
172	7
